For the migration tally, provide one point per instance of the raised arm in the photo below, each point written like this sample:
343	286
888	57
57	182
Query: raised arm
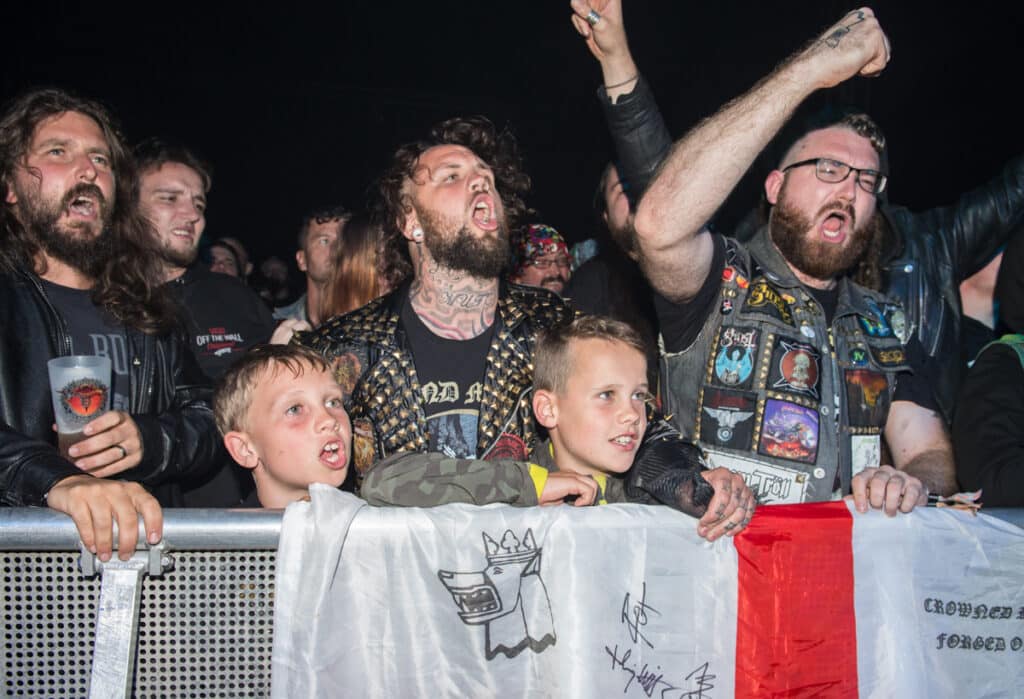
638	131
606	38
709	161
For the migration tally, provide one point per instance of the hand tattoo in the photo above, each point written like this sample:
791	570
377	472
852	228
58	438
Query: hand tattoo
833	39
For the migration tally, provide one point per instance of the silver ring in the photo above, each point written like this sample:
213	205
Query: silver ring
124	452
593	18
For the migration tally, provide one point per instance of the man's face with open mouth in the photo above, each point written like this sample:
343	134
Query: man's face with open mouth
64	190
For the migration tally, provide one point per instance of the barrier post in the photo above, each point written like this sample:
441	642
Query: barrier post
117	618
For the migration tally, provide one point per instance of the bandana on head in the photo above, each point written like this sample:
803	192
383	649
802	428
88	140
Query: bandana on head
538	239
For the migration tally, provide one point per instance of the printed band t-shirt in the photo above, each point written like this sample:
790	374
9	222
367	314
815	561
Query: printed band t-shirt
93	331
451	374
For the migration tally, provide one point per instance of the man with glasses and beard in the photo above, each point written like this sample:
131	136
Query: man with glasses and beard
75	277
444	364
782	367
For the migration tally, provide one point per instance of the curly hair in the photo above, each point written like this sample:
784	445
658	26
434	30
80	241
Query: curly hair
125	285
478	134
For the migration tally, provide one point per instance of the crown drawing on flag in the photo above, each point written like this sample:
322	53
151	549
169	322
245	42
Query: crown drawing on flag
511	549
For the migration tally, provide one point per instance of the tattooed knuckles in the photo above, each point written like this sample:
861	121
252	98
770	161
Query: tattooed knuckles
856	45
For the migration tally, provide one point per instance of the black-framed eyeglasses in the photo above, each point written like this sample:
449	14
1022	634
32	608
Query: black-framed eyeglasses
835	171
561	263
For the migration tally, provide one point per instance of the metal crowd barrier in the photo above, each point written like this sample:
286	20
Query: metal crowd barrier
190	617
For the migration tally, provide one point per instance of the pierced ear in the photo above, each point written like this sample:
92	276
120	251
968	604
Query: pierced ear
412	224
545	408
772	185
241	448
300	260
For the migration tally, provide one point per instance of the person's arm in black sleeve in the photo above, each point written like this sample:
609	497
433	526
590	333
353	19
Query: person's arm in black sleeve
637	128
669	470
988	428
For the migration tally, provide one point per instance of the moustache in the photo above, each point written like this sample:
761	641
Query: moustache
839	205
84	189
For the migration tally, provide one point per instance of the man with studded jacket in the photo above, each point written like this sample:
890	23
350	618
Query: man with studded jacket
784	368
444	363
74	279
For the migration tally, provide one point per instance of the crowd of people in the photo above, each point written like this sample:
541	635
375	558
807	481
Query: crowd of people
452	349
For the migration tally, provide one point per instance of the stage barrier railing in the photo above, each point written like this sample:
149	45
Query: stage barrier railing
190	617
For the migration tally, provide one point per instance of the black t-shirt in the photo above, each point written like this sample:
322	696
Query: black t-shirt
93	331
681	323
988	428
223	318
451	374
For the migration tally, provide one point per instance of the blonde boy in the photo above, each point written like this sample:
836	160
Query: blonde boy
591	393
281	414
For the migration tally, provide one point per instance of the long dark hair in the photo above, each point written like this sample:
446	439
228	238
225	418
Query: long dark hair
477	133
127	285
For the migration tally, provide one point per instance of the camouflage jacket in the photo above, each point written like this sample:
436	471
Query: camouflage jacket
374	365
428	480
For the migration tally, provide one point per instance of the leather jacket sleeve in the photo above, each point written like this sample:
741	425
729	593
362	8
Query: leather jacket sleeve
180	438
638	131
667	470
29	468
978	223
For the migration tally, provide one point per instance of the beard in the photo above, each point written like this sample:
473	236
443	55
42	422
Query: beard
175	257
83	245
460	250
817	258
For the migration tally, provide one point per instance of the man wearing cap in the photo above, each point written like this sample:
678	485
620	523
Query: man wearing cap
541	258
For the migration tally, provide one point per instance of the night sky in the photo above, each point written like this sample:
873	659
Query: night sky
298	105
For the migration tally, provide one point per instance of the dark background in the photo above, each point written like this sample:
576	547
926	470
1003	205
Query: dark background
300	105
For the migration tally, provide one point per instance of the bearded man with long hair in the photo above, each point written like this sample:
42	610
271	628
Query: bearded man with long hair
76	278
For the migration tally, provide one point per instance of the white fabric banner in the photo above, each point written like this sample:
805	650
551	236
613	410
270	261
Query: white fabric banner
464	601
625	600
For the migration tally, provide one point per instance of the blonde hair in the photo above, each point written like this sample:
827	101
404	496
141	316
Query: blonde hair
552	357
233	395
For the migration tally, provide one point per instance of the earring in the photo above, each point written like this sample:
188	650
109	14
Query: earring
417	233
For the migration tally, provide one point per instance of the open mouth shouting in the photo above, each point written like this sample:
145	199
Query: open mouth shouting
837	223
483	213
85	201
332	455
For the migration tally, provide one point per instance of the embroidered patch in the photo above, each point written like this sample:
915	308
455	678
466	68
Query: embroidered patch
897	320
858	356
507	446
734	362
726	418
765	299
795	367
789	431
889	356
876	326
362	445
770	483
867	397
866	450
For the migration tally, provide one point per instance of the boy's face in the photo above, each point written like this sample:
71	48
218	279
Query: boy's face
298	428
597	422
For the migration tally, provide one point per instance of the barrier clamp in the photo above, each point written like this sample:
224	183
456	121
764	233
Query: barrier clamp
117	617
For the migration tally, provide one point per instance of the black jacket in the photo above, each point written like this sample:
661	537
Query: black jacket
927	254
933	251
167	400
